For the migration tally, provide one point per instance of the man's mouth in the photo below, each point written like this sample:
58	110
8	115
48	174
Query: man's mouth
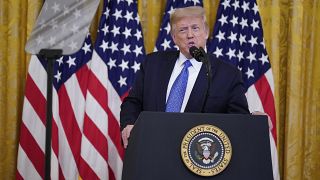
190	44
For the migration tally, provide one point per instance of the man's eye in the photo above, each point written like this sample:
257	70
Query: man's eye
196	28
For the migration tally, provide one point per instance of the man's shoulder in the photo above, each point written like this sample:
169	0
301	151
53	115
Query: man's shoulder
161	54
221	64
160	57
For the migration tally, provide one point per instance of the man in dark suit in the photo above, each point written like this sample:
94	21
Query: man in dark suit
154	86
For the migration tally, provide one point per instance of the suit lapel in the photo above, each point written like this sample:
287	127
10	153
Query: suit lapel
197	95
196	98
166	66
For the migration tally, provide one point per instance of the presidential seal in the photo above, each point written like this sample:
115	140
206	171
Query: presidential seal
206	150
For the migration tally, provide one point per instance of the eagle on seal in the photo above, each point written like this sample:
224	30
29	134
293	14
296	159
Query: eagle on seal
206	150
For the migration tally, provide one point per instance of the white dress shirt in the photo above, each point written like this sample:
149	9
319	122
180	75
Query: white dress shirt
193	74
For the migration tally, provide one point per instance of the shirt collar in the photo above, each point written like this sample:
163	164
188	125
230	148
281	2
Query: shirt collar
182	58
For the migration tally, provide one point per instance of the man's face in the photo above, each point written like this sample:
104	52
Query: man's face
188	32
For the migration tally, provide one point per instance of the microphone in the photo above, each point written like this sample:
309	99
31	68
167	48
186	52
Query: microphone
200	55
196	53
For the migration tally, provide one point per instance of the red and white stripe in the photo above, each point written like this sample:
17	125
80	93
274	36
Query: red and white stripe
85	127
32	130
102	151
260	97
67	106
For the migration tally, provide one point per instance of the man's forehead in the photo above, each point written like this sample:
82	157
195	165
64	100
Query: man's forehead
188	24
189	21
189	18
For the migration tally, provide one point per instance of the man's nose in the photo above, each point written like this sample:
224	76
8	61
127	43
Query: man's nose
190	33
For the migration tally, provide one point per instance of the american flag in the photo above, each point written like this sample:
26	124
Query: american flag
118	53
68	107
238	39
88	89
164	41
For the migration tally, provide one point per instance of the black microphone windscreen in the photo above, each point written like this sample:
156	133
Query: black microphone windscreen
202	50
195	53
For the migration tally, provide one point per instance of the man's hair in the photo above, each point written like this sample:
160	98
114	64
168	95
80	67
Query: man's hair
191	11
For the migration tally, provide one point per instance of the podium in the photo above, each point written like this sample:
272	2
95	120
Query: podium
154	150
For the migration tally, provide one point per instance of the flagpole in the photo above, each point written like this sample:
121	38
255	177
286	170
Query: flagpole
50	55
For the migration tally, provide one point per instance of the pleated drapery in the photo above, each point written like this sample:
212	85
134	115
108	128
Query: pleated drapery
292	36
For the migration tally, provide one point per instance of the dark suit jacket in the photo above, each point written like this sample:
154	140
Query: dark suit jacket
226	92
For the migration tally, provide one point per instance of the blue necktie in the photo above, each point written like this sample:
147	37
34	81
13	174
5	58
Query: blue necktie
178	89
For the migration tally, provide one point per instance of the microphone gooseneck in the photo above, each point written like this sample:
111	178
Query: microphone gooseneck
200	55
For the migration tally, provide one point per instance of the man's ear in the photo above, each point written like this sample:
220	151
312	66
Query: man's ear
207	32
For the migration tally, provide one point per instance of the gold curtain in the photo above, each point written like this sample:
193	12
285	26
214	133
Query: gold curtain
292	35
16	20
